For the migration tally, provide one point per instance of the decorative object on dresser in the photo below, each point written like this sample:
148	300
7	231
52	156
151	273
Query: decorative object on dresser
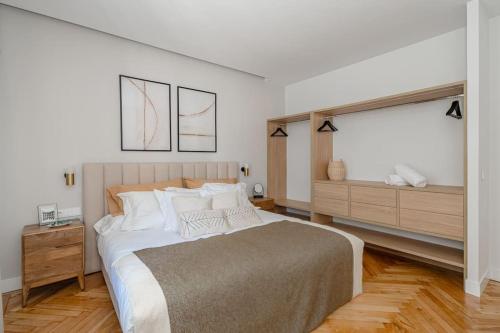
47	213
264	203
196	120
145	115
51	254
336	170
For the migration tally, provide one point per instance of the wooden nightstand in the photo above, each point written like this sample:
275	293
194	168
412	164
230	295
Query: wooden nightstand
264	203
51	255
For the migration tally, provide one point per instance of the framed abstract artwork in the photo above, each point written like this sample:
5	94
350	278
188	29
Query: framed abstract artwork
196	120
145	115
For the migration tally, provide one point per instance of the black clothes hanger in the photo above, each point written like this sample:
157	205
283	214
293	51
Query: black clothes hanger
455	106
330	126
279	132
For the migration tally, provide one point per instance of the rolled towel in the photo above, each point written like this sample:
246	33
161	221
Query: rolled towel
410	175
395	180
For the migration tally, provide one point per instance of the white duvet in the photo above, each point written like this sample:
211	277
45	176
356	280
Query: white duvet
140	300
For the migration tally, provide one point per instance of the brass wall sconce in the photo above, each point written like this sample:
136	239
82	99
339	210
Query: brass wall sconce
245	169
69	175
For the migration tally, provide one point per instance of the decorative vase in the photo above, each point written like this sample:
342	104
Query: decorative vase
336	170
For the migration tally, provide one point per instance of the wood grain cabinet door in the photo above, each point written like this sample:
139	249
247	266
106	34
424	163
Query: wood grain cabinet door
331	198
53	256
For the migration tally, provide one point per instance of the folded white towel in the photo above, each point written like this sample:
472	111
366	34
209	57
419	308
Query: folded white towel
410	175
395	180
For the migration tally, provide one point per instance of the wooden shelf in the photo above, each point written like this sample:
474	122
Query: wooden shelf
442	255
295	204
428	188
291	118
416	96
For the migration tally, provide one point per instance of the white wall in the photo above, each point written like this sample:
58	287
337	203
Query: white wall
59	103
478	147
371	142
298	158
1	307
494	125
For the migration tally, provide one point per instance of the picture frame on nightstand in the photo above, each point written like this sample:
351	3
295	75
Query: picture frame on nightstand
47	214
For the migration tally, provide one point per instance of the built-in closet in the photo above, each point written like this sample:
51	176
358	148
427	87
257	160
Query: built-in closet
434	210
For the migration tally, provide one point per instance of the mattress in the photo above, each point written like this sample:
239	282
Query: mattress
138	298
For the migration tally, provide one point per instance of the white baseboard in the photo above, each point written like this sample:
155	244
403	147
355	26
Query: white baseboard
11	284
495	274
476	288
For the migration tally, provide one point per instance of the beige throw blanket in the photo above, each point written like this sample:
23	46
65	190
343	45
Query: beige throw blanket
280	277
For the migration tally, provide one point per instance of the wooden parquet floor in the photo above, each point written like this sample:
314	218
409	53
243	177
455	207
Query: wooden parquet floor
399	296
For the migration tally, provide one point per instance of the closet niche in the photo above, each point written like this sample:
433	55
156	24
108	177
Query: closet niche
376	212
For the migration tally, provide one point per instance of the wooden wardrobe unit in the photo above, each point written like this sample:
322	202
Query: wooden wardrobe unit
435	210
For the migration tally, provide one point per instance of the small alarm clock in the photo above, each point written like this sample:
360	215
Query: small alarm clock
258	191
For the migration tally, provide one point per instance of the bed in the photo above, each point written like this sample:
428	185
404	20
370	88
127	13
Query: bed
138	297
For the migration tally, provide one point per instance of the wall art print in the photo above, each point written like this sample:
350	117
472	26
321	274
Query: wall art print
196	120
145	115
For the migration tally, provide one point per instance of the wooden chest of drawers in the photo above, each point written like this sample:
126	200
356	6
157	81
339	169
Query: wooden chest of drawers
433	210
331	199
51	255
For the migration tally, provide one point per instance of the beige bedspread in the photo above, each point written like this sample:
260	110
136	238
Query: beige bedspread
280	277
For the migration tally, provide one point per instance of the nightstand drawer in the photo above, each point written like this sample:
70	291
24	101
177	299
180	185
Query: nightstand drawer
61	262
54	253
57	238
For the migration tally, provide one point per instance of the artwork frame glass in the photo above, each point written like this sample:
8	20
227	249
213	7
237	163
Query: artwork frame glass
196	120
145	115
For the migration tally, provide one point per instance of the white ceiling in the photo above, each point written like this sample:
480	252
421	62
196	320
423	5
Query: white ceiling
285	40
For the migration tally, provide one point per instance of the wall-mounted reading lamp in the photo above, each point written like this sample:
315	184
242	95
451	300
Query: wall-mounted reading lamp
245	169
69	174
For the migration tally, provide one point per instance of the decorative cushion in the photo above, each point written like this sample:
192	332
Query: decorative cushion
197	183
202	222
241	217
167	208
115	204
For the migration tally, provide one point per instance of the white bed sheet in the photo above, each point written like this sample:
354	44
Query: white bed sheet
140	300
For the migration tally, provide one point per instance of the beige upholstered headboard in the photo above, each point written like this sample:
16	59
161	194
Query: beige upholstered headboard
98	176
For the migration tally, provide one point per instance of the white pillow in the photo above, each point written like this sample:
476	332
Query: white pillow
241	188
141	210
108	224
184	204
202	222
241	217
164	199
224	200
182	189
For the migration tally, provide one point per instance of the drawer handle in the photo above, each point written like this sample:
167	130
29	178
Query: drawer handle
67	245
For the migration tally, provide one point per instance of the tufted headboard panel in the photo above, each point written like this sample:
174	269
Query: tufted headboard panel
99	176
